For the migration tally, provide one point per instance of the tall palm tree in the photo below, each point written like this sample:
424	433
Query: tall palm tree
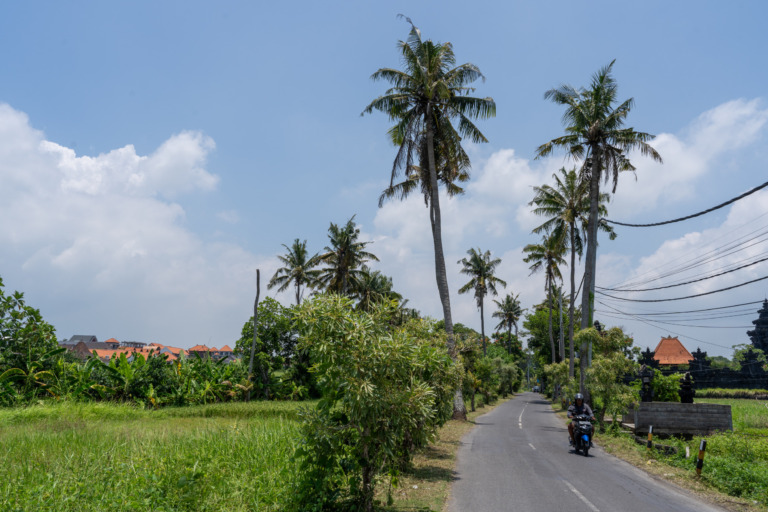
344	258
595	134
299	269
566	206
452	165
508	313
424	100
481	268
547	256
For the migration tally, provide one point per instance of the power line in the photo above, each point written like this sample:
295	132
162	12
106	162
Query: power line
647	322
635	281
697	310
721	205
688	296
686	282
612	315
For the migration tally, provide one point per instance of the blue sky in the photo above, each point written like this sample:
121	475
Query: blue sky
156	153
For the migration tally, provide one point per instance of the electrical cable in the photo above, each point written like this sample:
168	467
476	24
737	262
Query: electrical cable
686	282
629	282
707	257
721	205
612	315
697	310
688	296
676	334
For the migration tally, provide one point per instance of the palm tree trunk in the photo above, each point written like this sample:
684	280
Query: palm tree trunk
573	298
459	409
588	293
560	334
482	326
551	335
509	338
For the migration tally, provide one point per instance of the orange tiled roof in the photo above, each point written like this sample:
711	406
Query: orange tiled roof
226	348
111	340
671	351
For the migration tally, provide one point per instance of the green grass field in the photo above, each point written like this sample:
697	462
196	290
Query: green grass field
735	463
83	457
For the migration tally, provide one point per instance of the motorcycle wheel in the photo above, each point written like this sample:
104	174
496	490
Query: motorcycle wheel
586	451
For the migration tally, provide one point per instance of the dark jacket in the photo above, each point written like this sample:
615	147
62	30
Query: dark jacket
575	410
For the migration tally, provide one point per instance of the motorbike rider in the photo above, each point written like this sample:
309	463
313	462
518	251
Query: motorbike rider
576	408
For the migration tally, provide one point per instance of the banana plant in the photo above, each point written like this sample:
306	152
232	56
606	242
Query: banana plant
33	377
74	380
127	377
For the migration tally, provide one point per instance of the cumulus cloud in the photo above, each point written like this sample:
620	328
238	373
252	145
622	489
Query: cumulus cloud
689	157
97	240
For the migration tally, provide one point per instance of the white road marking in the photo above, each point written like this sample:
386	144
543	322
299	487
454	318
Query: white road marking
520	418
581	497
529	444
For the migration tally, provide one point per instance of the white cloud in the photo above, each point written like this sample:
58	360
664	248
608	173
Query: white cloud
92	240
229	216
699	152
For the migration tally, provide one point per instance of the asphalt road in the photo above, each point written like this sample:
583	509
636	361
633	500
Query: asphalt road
518	458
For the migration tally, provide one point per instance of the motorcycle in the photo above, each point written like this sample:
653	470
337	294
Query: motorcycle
582	434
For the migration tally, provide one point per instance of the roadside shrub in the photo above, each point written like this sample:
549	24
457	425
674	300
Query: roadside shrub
384	393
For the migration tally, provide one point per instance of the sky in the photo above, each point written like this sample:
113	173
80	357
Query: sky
153	155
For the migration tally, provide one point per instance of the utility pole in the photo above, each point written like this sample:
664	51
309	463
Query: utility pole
255	323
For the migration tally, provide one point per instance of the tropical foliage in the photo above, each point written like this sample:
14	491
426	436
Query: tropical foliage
547	256
425	99
596	136
298	270
384	393
481	269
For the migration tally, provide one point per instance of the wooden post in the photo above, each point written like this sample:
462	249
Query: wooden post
700	461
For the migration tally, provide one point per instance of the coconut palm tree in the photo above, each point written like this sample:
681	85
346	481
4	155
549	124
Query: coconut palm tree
481	268
595	135
374	287
452	165
299	269
508	313
566	206
344	258
547	256
424	100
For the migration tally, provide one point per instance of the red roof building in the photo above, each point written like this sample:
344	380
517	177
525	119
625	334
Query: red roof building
670	351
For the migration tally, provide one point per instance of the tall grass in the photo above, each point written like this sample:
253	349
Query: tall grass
97	456
749	416
735	463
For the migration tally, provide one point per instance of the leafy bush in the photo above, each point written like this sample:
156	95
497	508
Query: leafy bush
384	393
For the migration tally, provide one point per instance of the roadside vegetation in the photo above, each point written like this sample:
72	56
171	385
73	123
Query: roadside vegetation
360	401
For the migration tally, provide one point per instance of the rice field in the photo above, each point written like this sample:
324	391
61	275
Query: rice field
97	456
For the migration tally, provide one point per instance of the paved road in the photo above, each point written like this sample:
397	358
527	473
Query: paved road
517	458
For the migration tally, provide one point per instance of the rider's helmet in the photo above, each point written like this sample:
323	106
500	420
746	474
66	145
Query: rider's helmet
578	397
